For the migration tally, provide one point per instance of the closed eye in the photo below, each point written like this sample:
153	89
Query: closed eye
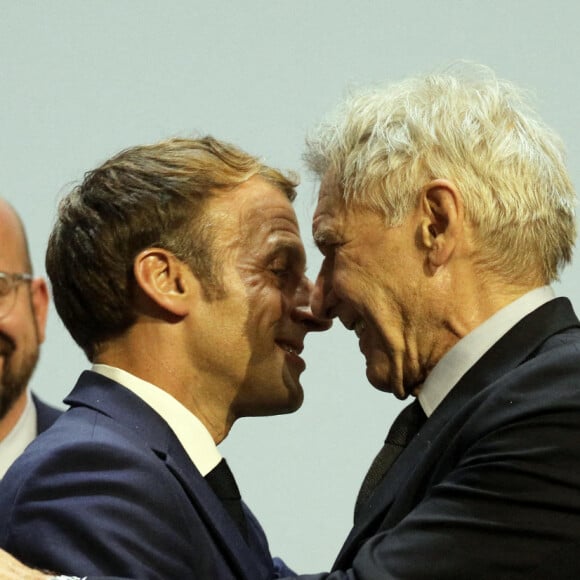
280	272
329	249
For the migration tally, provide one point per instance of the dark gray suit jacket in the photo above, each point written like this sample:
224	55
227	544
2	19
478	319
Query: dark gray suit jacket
490	487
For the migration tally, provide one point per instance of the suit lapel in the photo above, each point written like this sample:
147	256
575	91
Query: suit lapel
515	347
148	428
243	559
45	414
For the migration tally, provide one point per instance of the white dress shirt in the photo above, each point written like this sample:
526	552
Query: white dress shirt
191	432
23	433
459	359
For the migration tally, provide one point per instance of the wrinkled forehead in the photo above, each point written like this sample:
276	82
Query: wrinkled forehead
271	226
274	232
260	202
256	213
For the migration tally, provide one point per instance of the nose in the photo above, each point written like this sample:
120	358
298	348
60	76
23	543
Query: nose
303	311
322	296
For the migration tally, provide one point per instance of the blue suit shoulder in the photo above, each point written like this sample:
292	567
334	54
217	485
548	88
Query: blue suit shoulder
109	490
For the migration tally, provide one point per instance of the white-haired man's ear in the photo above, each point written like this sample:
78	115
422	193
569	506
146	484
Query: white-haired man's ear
442	221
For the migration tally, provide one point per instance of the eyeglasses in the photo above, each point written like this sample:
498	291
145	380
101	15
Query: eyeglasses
9	282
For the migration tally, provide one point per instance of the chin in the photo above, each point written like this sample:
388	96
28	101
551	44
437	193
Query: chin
287	409
288	402
274	409
292	402
379	381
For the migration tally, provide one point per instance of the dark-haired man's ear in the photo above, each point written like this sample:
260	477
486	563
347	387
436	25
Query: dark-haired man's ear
442	221
165	280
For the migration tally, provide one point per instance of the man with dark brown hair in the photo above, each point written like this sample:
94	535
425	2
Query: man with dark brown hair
179	270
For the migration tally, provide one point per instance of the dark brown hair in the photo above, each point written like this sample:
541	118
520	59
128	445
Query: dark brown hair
146	196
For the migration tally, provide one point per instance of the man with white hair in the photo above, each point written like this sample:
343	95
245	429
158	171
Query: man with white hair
445	211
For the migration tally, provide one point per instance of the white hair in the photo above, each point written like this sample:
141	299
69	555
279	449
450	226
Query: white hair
382	145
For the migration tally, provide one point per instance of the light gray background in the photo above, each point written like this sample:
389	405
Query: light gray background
81	80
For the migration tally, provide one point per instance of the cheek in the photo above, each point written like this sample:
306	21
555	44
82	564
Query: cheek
350	270
340	276
266	304
16	326
351	284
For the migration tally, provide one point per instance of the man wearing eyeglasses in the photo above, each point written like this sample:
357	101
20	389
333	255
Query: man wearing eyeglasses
23	311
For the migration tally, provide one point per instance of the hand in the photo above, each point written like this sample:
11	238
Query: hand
12	569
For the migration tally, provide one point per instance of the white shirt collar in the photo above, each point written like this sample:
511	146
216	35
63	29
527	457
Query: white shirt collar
22	434
191	432
459	359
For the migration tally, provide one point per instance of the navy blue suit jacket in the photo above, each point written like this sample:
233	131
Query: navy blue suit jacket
109	490
45	414
490	487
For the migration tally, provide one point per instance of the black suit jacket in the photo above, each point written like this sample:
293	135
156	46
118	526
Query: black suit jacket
109	490
490	487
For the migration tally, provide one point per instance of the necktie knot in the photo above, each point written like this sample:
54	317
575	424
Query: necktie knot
222	481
